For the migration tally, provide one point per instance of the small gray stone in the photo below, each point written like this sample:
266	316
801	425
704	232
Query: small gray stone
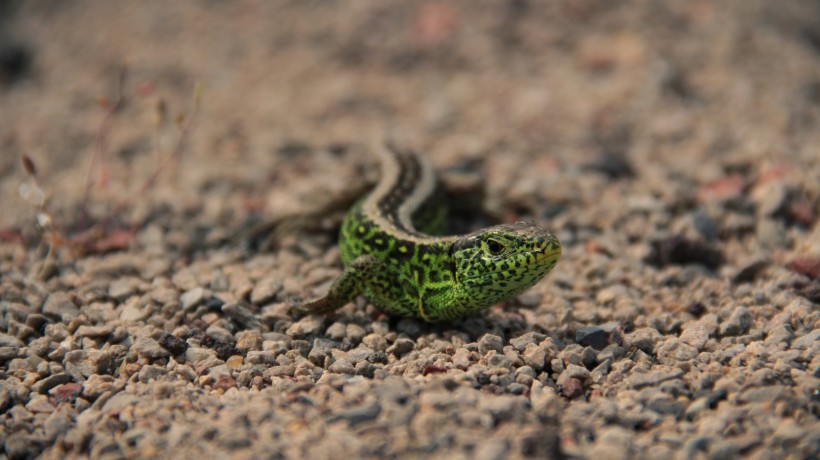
733	447
337	331
695	335
149	348
375	342
248	340
317	355
490	342
39	404
23	445
357	415
8	353
358	355
705	402
666	405
220	333
770	198
265	291
598	374
462	358
780	334
192	299
88	362
737	323
10	341
766	394
135	310
59	304
95	331
123	288
267	357
654	377
309	325
355	333
521	342
593	336
534	356
673	350
197	354
241	314
151	372
342	366
504	407
573	371
806	341
120	401
644	339
97	385
42	386
56	424
401	347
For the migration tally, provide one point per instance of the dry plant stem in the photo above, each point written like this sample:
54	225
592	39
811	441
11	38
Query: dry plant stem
99	155
175	154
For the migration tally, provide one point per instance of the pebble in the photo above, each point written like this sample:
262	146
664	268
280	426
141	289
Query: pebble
737	323
309	325
220	334
173	344
358	415
265	291
695	335
530	338
644	339
342	366
85	363
673	350
101	331
355	333
46	384
149	348
60	305
593	336
806	341
11	342
654	377
336	331
98	385
123	288
489	342
267	357
401	347
192	298
375	342
535	356
134	311
780	334
248	340
197	355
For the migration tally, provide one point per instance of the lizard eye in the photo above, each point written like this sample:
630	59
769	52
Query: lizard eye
494	247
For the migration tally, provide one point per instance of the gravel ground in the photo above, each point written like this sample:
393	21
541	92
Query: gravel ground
186	165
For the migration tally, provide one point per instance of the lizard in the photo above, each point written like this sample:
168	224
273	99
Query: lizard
390	255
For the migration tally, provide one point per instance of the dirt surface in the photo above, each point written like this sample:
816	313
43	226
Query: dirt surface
174	172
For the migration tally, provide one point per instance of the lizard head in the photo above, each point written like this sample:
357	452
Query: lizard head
500	262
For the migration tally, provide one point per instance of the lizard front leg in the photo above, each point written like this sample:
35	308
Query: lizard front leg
348	285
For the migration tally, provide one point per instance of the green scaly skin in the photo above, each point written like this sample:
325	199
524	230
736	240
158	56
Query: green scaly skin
408	273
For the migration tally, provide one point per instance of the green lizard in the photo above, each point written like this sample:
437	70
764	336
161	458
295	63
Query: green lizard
391	259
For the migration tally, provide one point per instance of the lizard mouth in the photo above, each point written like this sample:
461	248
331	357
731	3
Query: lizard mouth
549	251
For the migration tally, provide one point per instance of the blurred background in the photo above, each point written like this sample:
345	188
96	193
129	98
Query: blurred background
97	93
